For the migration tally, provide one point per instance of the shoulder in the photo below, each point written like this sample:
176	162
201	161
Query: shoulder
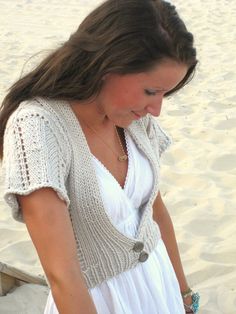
35	110
157	135
36	118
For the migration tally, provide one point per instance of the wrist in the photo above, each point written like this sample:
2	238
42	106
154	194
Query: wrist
187	292
190	300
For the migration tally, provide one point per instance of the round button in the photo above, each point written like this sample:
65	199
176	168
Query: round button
143	257
138	247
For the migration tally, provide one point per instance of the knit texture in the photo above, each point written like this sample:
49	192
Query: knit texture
44	146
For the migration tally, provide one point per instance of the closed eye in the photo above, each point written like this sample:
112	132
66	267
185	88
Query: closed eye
150	92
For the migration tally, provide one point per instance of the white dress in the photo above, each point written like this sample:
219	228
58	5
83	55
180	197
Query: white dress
151	287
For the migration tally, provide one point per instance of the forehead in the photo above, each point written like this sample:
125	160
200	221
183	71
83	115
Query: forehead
165	75
168	73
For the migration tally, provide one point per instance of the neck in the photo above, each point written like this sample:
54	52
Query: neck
90	113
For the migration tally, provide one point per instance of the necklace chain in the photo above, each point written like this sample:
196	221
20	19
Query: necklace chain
122	157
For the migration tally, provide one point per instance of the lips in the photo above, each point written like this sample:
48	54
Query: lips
138	116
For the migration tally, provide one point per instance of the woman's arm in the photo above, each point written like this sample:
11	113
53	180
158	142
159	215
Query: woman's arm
47	220
162	217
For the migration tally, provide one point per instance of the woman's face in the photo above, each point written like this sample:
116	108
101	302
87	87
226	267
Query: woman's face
129	97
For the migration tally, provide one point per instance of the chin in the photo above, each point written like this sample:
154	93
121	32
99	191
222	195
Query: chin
124	124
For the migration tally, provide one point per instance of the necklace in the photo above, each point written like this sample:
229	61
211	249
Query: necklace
122	157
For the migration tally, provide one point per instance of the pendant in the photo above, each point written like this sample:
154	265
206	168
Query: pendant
122	158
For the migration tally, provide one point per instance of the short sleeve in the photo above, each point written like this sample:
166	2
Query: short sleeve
160	140
34	157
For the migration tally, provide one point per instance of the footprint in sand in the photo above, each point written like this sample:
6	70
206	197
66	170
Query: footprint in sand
226	124
224	163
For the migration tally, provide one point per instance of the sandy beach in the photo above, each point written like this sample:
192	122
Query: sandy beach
199	169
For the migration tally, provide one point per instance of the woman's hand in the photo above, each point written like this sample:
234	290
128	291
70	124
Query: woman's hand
187	301
191	302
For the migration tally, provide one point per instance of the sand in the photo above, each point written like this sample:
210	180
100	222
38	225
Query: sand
198	171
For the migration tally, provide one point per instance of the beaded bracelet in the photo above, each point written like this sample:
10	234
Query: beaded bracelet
186	293
194	307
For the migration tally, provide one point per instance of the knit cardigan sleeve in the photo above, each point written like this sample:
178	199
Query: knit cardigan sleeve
159	139
34	157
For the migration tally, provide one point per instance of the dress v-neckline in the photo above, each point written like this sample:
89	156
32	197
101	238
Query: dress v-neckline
136	131
128	169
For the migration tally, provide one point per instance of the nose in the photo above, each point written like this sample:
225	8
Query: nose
155	108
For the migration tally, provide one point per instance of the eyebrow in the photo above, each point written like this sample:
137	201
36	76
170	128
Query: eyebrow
161	89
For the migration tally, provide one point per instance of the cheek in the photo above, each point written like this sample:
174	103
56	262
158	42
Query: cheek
131	98
122	100
123	96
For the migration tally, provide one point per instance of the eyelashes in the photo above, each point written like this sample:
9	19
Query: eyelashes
153	92
150	92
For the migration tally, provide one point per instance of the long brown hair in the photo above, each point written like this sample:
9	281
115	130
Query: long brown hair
120	36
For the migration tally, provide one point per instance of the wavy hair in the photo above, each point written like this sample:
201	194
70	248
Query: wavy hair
120	36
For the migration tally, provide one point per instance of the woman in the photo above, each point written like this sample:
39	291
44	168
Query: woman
81	159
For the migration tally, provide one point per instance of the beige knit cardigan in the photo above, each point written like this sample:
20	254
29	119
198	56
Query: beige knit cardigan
44	146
